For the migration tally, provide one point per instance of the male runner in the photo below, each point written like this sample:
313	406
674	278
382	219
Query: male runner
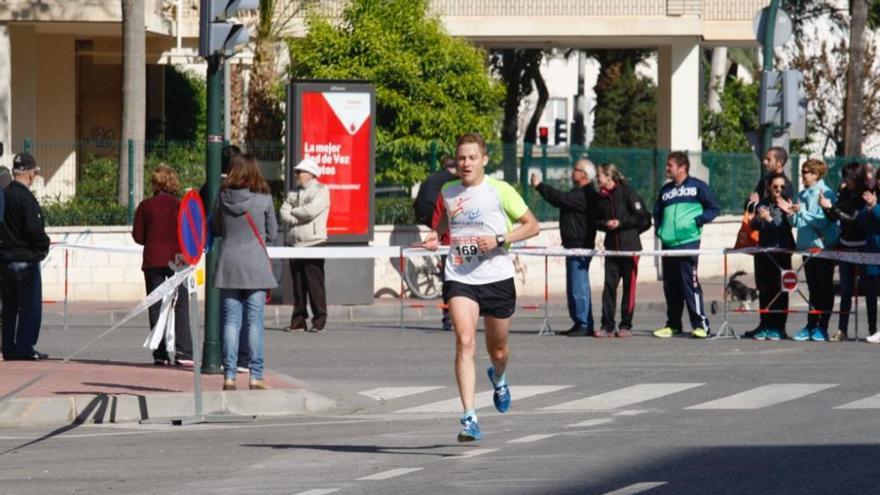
479	211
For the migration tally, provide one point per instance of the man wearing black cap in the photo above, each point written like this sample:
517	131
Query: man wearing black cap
23	244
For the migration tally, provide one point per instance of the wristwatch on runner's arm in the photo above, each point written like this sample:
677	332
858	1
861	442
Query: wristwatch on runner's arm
499	239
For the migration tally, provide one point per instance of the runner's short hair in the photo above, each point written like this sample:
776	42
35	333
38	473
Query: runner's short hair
680	158
472	138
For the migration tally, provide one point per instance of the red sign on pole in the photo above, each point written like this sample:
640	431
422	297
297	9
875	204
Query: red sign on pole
789	280
332	123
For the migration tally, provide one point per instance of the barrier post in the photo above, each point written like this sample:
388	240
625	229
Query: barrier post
726	331
856	280
66	264
402	267
545	327
131	169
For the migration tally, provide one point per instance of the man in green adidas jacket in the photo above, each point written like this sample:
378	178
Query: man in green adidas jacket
683	206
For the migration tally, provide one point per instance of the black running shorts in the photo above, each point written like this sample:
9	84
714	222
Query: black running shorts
497	299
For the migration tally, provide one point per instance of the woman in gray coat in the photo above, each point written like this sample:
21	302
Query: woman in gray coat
245	217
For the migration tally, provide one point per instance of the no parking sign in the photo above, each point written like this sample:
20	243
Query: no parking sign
192	230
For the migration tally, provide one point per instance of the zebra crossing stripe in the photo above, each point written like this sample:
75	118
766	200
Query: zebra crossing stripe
473	453
623	397
637	488
532	438
765	396
392	473
591	422
319	491
389	393
484	399
866	403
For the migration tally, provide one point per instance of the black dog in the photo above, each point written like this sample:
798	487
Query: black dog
738	291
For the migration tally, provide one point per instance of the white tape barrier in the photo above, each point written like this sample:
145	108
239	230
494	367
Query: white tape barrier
355	252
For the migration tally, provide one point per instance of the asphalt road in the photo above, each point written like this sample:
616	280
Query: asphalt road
591	416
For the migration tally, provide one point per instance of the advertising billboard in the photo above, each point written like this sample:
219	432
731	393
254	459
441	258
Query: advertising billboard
332	122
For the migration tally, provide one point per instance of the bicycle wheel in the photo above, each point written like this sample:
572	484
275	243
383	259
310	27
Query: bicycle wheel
422	277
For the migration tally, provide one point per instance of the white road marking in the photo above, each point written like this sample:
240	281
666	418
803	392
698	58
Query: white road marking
591	422
484	399
389	393
532	438
764	396
866	403
473	453
637	488
318	491
392	473
623	397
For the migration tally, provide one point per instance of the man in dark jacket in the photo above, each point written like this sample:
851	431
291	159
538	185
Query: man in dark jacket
577	232
425	206
24	244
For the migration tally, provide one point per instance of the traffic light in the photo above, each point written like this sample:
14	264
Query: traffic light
560	131
543	134
216	35
794	102
770	102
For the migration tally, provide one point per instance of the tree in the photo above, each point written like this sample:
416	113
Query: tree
626	103
516	68
854	83
825	67
429	85
265	118
725	131
134	93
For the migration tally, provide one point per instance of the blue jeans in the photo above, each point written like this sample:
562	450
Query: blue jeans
577	288
243	308
22	289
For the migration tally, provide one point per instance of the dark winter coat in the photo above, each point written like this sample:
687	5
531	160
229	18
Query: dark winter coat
576	208
624	205
23	230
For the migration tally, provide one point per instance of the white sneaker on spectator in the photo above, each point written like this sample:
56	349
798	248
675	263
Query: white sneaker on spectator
242	369
874	339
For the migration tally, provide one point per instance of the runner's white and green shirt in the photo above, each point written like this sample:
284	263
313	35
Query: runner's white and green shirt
489	208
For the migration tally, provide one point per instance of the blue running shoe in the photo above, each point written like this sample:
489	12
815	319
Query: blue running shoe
803	334
471	430
501	397
761	334
774	334
819	335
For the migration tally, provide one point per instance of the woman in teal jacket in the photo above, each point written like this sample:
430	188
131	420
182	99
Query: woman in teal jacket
871	217
815	232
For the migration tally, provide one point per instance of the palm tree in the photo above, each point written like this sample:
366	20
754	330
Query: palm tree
855	78
133	96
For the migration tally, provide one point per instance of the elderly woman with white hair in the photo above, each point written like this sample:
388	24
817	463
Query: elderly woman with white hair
304	215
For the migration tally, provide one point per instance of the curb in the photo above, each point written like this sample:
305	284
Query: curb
111	408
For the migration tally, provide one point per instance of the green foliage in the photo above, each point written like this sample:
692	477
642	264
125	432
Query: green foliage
726	131
396	210
626	110
185	108
429	85
95	200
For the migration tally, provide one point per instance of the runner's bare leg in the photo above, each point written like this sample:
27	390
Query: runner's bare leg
465	314
497	330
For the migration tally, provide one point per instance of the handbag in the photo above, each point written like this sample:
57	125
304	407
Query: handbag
253	225
747	236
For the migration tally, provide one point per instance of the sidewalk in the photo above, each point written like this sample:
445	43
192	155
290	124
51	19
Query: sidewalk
120	392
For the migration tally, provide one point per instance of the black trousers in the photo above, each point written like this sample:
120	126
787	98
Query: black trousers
681	286
768	275
615	269
182	338
308	287
820	283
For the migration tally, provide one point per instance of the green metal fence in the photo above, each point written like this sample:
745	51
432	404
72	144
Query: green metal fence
87	169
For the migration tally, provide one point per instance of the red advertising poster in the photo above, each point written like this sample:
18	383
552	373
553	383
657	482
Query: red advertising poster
334	128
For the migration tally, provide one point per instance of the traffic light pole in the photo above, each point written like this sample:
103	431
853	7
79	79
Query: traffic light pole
769	33
212	172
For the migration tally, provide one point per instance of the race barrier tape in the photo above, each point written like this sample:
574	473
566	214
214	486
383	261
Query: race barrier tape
354	252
